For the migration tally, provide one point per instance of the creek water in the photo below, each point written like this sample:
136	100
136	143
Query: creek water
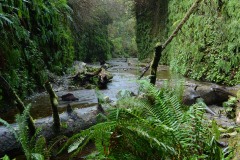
125	73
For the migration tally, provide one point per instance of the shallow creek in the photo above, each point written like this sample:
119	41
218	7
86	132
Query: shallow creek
125	74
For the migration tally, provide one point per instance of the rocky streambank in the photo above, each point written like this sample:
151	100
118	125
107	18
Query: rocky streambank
116	75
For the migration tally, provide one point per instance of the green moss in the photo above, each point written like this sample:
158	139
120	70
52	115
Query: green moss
35	36
234	142
151	25
207	47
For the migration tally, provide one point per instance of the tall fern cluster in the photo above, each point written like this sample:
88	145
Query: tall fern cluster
35	36
156	126
207	48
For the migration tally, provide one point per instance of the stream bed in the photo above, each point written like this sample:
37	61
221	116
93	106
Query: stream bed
125	74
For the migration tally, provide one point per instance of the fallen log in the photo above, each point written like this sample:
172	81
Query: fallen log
74	121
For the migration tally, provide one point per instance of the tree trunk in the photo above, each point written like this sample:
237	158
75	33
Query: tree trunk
154	64
159	49
20	105
54	103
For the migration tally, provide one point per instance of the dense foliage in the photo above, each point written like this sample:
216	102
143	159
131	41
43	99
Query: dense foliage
151	16
103	29
122	31
156	126
35	36
207	48
34	147
90	28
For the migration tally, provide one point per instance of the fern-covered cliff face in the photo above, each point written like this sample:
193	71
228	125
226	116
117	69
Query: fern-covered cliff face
90	28
151	18
35	36
208	46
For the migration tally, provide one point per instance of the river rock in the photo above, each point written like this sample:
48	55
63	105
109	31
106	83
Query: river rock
210	93
69	97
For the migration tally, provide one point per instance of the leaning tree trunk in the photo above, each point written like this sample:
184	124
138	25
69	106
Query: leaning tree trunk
54	103
20	105
160	48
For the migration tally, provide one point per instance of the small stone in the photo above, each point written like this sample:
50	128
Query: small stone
70	120
107	99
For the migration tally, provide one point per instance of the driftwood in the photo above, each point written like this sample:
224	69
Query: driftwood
87	74
100	78
144	71
160	48
20	105
54	103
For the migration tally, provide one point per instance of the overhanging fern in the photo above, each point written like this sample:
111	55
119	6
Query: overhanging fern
153	127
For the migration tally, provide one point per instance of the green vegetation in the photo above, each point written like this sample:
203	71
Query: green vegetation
35	36
207	48
151	26
156	126
230	107
90	30
34	148
122	30
41	37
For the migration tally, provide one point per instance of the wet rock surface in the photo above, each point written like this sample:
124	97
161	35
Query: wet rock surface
84	108
77	120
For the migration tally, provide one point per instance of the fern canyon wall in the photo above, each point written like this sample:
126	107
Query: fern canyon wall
48	35
90	28
151	16
42	36
207	48
35	37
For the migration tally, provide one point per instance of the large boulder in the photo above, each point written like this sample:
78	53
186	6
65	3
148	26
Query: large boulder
210	93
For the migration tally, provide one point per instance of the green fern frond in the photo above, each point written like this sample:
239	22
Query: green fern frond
138	128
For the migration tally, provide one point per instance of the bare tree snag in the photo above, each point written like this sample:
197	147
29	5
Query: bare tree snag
160	48
54	103
19	103
154	64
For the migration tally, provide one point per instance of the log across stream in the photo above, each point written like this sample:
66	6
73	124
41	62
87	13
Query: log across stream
125	73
